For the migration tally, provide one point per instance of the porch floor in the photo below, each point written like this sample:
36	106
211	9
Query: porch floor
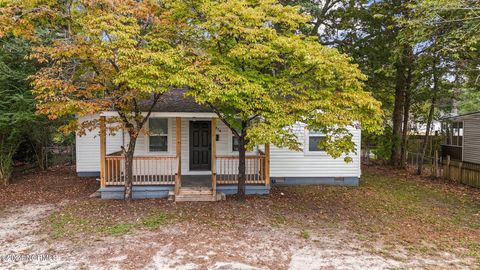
197	181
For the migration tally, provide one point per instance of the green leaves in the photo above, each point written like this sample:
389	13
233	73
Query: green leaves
257	69
102	55
247	59
17	106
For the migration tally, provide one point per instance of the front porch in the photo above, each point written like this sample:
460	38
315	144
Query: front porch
200	168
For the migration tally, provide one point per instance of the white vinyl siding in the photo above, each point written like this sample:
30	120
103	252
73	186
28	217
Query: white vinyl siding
287	163
142	147
283	162
88	147
312	140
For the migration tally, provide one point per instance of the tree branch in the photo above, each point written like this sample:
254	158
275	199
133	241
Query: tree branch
216	111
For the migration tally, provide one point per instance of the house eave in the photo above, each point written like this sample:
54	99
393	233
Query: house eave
169	114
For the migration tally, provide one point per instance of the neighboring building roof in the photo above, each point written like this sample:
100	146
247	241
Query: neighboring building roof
461	116
175	101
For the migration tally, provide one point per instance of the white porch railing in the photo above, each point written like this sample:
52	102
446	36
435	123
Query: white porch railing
227	169
147	170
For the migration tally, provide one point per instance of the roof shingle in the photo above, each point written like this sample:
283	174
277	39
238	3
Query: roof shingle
175	101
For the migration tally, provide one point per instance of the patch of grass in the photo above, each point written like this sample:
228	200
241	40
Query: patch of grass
405	208
473	248
391	208
61	224
305	234
84	218
118	229
58	227
154	221
279	219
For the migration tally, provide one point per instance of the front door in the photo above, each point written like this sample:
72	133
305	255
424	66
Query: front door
200	145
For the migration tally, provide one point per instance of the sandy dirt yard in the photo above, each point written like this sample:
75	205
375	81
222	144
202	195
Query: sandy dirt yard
374	226
183	246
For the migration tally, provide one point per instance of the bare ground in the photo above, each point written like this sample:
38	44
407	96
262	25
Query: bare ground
391	221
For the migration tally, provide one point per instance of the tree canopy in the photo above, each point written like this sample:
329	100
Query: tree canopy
261	76
396	43
17	104
103	56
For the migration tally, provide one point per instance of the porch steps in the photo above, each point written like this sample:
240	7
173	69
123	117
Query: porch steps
196	194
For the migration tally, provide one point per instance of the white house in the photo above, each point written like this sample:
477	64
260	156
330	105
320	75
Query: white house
189	152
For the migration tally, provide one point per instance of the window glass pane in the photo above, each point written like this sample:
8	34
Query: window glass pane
158	126
158	143
313	143
234	143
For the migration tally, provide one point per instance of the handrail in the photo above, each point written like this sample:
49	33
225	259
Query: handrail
227	169
236	157
451	145
147	170
115	154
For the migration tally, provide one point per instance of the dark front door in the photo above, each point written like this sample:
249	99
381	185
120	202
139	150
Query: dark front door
200	145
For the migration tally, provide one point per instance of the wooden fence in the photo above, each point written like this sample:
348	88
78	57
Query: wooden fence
463	172
447	169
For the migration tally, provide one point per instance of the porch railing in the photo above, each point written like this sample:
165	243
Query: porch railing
147	170
455	152
227	169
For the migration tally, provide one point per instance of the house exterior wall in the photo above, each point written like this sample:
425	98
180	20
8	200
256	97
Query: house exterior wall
294	167
471	138
285	163
88	146
224	143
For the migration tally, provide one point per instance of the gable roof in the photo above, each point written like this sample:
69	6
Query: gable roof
175	101
462	116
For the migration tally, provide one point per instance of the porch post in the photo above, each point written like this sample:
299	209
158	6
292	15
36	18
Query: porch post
214	156
267	165
178	178
103	150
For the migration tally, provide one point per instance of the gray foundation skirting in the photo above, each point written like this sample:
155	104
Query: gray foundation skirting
150	192
249	189
139	192
304	181
153	192
88	174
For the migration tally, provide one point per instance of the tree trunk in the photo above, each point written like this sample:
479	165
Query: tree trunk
241	168
241	164
397	116
128	154
39	149
401	85
7	151
430	115
5	168
406	115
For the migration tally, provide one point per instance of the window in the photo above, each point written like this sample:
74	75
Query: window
158	140
314	140
235	143
454	132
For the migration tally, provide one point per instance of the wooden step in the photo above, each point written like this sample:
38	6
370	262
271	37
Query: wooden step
195	198
196	191
196	195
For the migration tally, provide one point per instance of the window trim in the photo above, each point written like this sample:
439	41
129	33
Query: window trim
449	130
306	145
159	135
232	144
